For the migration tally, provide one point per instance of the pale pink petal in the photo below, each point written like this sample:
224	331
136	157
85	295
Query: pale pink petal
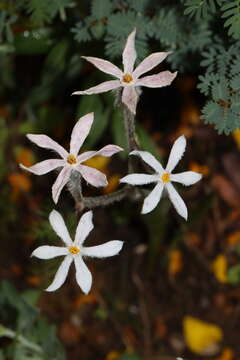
103	87
44	167
105	66
186	177
84	227
150	160
130	98
139	179
152	199
149	63
164	78
110	248
61	274
83	275
58	225
177	201
80	132
46	142
176	153
49	252
92	176
129	53
60	182
107	151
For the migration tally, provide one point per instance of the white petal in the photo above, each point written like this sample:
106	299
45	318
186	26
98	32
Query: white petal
130	98
139	179
186	177
103	87
150	160
83	275
107	151
177	201
44	167
80	132
105	66
110	248
49	252
61	274
60	182
164	78
176	153
46	142
92	176
149	63
84	227
58	225
152	199
129	53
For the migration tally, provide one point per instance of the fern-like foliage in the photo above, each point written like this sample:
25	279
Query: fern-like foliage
201	8
231	12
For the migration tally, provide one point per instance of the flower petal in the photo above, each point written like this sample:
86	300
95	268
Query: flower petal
46	142
139	179
103	87
149	63
44	167
164	78
186	177
83	275
176	153
150	160
110	248
49	252
80	132
130	98
85	225
107	151
92	176
152	199
177	201
129	53
58	225
105	66
61	274
60	182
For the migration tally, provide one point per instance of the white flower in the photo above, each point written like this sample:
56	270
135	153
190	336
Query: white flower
74	251
163	178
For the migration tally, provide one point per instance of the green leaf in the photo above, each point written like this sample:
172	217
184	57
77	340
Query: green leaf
101	9
234	274
146	142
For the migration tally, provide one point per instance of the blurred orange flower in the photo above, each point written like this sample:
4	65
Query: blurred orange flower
175	262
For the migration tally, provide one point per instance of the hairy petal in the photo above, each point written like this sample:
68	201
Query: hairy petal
150	160
110	248
152	199
177	201
164	78
60	182
186	177
49	252
101	88
139	179
130	98
80	132
83	275
46	142
176	153
58	225
61	274
105	66
129	53
44	167
92	176
84	227
149	63
107	151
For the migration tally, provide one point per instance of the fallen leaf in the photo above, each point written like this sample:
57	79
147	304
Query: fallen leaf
226	190
175	263
219	268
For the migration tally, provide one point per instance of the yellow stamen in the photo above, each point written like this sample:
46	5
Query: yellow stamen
74	250
71	159
165	178
127	78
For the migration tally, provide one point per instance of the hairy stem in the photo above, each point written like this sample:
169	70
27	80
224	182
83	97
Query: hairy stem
75	188
130	132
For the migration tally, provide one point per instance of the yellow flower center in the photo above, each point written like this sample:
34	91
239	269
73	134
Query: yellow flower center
74	250
127	78
71	159
165	178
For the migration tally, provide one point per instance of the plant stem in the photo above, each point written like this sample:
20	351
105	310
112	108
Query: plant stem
75	188
130	132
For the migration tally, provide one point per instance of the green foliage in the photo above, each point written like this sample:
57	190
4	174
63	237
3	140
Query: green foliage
231	12
200	8
6	20
234	274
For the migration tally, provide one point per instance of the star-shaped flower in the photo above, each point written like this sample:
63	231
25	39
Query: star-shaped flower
74	251
129	78
71	161
163	178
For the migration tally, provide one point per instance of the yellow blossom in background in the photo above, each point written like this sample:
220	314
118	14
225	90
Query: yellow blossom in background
113	182
98	162
236	136
113	355
201	337
202	169
175	263
219	268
